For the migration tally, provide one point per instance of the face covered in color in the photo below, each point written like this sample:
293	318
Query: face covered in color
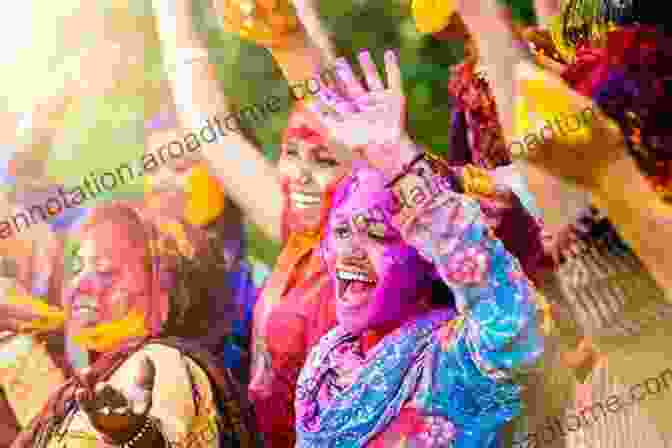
379	277
112	296
308	167
182	186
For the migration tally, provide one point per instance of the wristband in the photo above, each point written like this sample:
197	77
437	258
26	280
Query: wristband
147	427
405	170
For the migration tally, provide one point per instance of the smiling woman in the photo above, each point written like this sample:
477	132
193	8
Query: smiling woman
122	306
395	371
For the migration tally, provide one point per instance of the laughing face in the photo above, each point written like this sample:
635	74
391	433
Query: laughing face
111	278
307	168
379	277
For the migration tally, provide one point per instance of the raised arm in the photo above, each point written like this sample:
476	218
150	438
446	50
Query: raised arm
449	230
494	297
609	173
298	42
246	175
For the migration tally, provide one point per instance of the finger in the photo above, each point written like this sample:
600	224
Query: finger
393	70
574	248
331	99
373	80
555	254
141	407
86	400
567	254
321	111
346	79
146	374
84	377
100	387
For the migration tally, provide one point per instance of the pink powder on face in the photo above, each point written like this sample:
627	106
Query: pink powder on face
401	273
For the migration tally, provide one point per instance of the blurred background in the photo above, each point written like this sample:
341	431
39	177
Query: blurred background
106	56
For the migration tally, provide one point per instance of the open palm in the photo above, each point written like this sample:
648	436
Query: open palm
365	121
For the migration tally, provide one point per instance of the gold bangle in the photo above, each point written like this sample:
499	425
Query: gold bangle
478	182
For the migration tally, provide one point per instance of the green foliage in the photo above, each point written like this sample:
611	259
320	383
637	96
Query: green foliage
249	74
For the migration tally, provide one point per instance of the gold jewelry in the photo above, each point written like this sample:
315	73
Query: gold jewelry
146	427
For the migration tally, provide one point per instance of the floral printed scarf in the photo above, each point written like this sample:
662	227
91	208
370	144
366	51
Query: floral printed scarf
409	364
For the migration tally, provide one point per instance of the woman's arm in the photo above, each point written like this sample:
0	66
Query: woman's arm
9	427
640	217
608	173
246	175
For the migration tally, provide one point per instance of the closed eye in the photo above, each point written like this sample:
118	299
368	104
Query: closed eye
329	163
341	232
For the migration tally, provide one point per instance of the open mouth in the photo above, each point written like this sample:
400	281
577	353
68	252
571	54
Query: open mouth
304	200
354	286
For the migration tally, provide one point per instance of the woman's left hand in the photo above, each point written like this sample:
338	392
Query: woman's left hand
369	122
118	413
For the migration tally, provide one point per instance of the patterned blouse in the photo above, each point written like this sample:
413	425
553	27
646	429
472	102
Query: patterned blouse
185	422
440	380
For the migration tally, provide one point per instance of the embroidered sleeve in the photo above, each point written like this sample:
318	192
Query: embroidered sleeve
494	297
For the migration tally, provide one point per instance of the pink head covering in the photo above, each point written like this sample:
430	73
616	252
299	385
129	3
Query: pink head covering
153	304
405	276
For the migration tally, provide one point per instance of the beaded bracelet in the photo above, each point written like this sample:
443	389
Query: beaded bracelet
147	426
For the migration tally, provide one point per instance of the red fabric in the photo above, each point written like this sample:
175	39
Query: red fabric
473	95
295	309
588	70
630	80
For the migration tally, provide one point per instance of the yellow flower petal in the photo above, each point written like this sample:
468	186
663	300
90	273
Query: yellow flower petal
206	197
432	16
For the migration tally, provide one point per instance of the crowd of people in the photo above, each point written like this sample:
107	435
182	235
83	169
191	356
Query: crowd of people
418	300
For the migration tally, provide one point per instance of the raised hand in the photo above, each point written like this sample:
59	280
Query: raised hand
369	122
118	413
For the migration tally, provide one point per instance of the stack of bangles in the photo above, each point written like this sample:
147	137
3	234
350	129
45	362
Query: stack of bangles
433	166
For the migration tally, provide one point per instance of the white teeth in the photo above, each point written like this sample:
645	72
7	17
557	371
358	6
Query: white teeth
345	275
305	204
305	199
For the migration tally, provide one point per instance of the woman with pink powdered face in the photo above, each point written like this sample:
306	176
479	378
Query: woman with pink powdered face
288	202
397	371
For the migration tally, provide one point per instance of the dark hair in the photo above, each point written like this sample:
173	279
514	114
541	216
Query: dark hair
200	288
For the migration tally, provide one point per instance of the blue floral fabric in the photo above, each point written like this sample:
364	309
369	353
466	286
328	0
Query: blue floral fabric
460	368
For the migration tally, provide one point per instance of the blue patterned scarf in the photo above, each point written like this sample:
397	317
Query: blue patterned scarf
408	364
